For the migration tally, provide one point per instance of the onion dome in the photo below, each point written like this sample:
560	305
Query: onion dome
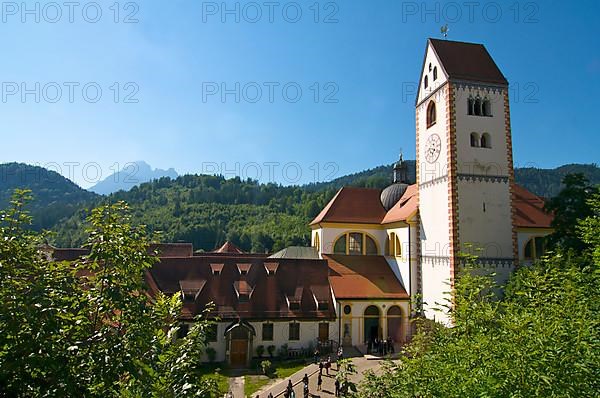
392	194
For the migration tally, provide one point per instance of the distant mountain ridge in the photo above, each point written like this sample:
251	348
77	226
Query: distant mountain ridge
131	175
55	197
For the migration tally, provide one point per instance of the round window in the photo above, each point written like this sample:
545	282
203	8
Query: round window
347	309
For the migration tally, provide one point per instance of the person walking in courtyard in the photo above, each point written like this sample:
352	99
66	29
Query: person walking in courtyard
317	354
289	391
320	368
340	356
319	382
328	365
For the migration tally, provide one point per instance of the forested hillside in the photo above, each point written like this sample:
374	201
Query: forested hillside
207	210
56	197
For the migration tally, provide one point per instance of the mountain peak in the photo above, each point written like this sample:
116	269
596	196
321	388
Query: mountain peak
131	175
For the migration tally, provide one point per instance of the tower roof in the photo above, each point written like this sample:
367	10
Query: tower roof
229	248
467	61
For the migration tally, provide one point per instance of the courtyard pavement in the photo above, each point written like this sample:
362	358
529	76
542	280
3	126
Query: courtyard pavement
327	389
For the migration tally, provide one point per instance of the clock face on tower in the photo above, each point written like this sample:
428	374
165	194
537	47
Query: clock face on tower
433	146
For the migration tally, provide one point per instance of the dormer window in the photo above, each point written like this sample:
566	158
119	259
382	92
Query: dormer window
243	269
243	291
191	289
271	268
295	299
216	269
322	306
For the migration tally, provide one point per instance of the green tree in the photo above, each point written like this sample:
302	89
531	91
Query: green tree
89	328
568	207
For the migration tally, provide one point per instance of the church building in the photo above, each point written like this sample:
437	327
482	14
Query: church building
378	257
464	199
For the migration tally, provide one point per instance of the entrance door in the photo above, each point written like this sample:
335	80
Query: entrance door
238	353
371	323
238	350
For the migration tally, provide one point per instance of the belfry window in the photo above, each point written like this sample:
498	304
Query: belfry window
487	107
477	107
431	114
474	140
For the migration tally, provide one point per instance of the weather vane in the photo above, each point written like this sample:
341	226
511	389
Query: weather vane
444	31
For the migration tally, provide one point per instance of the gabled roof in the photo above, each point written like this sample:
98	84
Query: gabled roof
467	61
353	205
230	248
363	277
405	208
529	209
297	252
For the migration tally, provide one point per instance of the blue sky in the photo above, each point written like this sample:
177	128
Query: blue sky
362	58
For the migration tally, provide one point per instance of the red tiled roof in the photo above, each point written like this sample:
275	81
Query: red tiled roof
294	278
467	61
230	248
406	206
529	209
353	205
363	277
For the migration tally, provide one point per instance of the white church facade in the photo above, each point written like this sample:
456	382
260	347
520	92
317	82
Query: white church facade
464	199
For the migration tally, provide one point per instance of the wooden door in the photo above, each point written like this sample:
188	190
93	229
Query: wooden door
323	331
238	353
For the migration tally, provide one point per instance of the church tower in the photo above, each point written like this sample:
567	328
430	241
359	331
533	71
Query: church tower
464	168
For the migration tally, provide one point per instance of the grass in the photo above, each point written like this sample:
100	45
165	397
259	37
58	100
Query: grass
281	370
218	372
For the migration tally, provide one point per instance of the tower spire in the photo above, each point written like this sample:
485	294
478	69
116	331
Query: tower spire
400	171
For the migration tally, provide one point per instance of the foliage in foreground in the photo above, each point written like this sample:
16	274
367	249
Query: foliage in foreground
87	328
542	339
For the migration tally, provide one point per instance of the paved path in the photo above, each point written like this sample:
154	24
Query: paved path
327	389
236	386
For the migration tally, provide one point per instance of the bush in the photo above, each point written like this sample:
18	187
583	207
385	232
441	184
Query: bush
265	366
211	353
271	350
283	351
260	350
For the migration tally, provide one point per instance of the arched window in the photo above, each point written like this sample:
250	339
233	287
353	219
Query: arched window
477	107
471	106
426	82
474	140
430	67
317	242
487	107
394	247
430	114
340	245
435	73
355	243
371	246
486	140
535	248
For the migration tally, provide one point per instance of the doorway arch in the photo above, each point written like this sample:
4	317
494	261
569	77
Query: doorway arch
394	324
239	336
371	323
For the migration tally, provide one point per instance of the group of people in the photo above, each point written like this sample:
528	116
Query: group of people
323	364
380	346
